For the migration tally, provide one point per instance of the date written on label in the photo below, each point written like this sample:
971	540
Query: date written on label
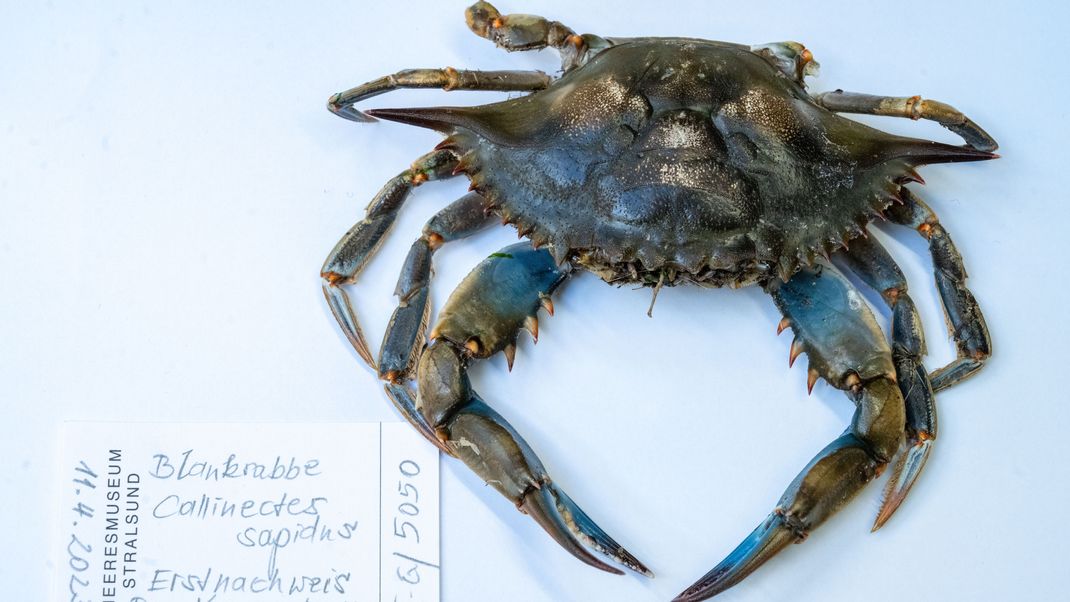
78	552
169	512
410	539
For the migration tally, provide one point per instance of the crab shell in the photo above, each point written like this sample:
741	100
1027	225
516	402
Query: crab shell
693	159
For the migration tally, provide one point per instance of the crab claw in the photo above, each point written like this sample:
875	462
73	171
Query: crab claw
572	528
482	317
921	435
908	466
772	536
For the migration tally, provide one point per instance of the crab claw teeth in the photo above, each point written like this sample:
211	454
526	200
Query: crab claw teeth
572	528
769	538
908	466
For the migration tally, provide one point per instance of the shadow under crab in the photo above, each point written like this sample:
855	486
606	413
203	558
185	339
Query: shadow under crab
662	161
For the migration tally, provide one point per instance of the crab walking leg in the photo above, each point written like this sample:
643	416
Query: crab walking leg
353	251
913	107
404	335
531	32
872	263
482	317
840	336
964	318
341	104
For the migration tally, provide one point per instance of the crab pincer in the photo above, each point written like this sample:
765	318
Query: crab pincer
844	345
483	317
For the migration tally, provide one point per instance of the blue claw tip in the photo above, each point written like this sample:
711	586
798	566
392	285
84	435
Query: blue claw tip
762	544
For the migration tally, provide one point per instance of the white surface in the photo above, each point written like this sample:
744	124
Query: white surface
171	183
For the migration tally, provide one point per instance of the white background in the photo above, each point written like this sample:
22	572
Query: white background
171	183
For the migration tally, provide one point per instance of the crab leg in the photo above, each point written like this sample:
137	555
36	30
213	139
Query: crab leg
404	335
531	32
846	347
341	104
964	318
353	251
913	107
872	263
482	317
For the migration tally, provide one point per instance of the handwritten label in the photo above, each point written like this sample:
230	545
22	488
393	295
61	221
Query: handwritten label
225	512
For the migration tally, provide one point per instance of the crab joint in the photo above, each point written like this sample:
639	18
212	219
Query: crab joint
453	79
914	107
442	434
853	382
434	240
333	278
793	524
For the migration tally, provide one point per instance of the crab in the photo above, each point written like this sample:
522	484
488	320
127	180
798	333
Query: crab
660	162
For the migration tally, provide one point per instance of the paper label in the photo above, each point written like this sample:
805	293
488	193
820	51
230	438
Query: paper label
227	512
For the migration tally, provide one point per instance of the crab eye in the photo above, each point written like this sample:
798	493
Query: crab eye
791	58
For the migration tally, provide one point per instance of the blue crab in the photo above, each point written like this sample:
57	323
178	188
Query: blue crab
659	162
